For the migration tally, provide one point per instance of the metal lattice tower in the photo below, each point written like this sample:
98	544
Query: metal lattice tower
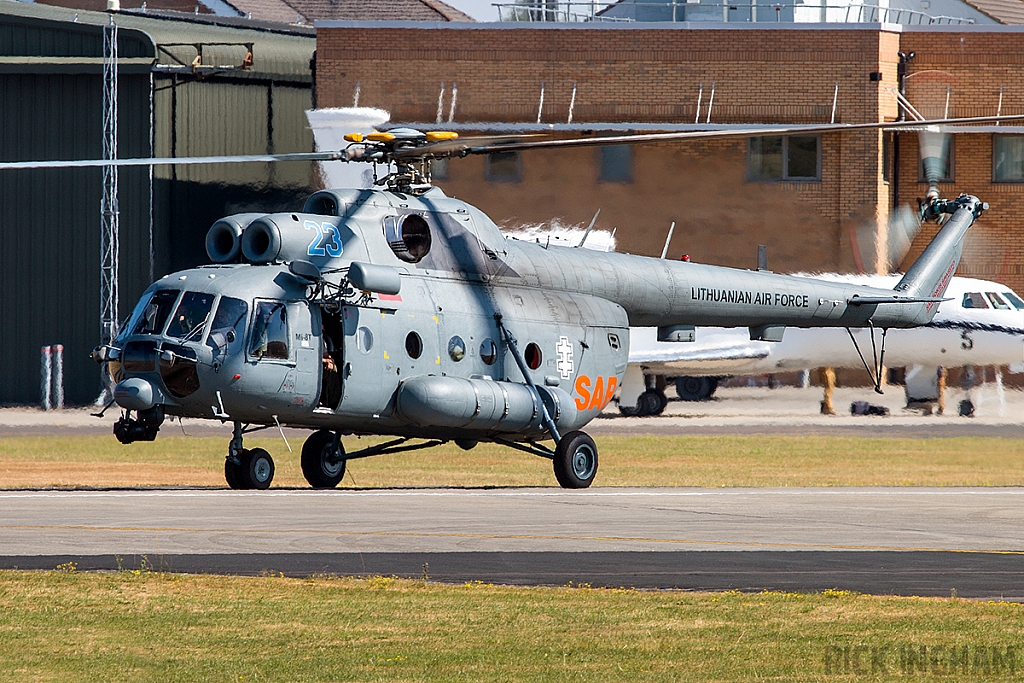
109	218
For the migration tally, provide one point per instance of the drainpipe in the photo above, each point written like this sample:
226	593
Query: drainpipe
901	82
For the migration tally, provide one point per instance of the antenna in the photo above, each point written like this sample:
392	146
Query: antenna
585	234
664	252
762	257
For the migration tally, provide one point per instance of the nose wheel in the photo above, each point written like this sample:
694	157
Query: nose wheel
253	470
247	469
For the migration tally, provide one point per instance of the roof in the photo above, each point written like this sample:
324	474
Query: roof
1003	11
288	11
280	52
366	10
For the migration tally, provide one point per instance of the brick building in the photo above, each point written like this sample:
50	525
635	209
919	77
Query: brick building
818	202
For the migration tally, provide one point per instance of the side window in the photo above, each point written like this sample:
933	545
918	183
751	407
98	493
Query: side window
228	324
974	300
153	316
1015	300
270	331
997	301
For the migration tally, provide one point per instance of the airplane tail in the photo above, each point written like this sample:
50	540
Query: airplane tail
930	274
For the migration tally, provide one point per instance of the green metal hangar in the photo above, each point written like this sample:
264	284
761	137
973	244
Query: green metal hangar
188	86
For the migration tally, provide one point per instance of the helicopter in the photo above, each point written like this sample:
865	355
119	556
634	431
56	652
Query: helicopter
401	312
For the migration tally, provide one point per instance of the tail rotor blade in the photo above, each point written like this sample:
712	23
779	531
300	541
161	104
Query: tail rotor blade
904	224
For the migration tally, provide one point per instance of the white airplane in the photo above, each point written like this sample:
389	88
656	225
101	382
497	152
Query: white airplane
982	324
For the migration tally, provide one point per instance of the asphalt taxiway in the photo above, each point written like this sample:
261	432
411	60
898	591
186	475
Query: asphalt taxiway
910	541
890	540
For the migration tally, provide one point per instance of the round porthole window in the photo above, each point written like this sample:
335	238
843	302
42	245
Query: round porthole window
456	348
488	352
533	356
364	339
413	345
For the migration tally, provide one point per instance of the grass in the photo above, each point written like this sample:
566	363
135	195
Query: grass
704	461
148	626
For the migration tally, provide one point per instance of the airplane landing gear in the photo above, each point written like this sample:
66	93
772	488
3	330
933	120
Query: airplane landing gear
651	402
696	388
575	460
323	459
247	469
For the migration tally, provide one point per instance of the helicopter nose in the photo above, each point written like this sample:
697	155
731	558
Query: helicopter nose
135	393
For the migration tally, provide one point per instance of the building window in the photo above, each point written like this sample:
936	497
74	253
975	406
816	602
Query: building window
439	169
1008	158
503	167
615	164
946	175
887	157
777	157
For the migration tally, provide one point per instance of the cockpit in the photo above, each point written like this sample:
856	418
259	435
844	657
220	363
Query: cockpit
1005	301
179	322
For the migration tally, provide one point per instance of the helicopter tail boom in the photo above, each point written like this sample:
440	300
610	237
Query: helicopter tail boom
930	274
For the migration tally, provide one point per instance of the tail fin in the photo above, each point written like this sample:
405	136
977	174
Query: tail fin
931	272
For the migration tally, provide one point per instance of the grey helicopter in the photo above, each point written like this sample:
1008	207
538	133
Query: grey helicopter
404	313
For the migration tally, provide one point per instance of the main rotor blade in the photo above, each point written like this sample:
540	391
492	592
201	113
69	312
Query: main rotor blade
733	133
172	161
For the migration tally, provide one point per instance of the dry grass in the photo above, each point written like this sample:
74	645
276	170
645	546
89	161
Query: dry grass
67	626
706	461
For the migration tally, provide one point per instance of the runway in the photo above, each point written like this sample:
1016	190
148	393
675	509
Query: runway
876	540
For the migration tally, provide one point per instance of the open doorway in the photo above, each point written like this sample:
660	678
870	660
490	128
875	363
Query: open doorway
331	340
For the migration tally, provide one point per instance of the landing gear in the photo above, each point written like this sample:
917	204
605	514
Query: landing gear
696	388
575	460
651	402
323	460
247	469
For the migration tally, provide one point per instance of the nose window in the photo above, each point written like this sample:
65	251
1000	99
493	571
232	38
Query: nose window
190	317
152	316
228	323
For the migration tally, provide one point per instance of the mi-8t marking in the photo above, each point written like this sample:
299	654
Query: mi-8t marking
402	312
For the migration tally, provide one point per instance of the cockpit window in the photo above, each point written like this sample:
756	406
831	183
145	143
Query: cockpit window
228	323
270	331
190	317
974	300
153	315
996	301
1015	300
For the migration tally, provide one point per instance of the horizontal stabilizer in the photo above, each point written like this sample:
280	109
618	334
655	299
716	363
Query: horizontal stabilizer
864	300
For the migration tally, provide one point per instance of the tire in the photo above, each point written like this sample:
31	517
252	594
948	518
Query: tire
695	388
653	403
317	465
575	461
257	469
233	473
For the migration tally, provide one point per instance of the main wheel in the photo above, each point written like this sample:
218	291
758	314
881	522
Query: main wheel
323	466
233	473
575	461
653	402
257	469
695	388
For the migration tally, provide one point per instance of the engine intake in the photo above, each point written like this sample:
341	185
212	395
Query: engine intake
224	240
